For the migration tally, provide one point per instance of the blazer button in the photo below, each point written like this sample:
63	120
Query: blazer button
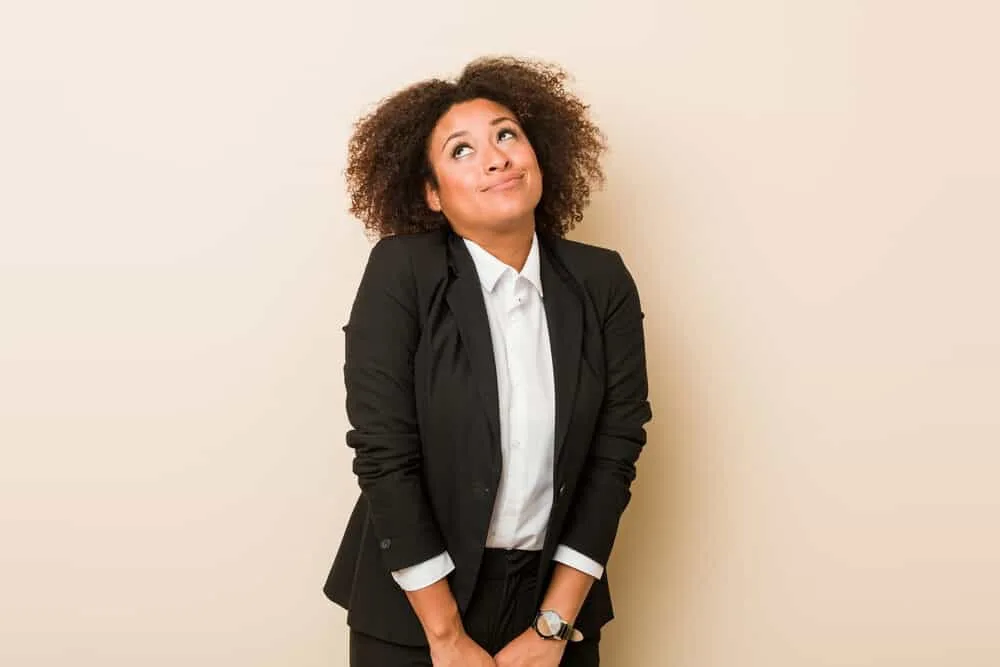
385	544
562	488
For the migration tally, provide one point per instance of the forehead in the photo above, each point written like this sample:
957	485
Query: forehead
468	116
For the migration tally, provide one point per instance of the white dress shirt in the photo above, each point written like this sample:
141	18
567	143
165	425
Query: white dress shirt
526	392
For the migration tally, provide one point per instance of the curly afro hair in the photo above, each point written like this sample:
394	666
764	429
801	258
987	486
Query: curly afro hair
387	163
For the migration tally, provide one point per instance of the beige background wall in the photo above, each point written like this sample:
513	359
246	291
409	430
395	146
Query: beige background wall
807	193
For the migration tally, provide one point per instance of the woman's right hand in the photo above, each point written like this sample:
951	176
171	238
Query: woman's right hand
450	645
459	651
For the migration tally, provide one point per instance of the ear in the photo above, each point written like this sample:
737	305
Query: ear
432	197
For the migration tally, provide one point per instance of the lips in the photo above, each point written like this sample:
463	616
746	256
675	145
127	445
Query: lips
506	183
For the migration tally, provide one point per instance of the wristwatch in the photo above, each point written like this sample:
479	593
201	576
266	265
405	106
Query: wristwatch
550	625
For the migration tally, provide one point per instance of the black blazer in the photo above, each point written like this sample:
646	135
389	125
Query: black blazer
422	401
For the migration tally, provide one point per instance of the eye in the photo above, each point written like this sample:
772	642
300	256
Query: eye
460	150
506	133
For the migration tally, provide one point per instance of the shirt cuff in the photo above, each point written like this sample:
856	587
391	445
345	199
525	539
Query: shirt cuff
424	574
576	560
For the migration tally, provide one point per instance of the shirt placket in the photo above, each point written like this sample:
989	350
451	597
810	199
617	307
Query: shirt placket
516	322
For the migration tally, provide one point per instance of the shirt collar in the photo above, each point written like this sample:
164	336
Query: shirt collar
490	269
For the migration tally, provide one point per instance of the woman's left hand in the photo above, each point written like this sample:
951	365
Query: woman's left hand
530	650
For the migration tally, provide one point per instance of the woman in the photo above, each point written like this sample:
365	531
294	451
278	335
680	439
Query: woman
496	380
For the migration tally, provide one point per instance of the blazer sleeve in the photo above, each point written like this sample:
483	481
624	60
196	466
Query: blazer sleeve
382	334
603	490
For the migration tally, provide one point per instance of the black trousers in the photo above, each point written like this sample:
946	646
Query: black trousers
502	607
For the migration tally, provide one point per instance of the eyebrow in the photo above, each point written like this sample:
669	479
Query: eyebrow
495	121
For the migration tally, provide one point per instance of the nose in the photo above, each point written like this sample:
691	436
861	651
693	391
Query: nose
496	160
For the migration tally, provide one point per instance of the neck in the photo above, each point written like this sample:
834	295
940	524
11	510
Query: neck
510	246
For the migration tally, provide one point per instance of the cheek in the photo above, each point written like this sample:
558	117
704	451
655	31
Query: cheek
455	187
528	159
527	155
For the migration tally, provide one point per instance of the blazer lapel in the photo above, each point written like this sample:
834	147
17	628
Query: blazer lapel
565	319
465	299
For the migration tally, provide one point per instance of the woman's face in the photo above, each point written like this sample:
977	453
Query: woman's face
488	179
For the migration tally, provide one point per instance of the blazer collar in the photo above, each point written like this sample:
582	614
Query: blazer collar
465	299
564	314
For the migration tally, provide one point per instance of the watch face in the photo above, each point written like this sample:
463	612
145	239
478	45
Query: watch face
549	624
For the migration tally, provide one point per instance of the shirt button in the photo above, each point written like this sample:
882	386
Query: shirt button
516	443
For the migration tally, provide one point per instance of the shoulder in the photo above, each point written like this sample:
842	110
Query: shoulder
412	246
416	255
592	265
600	274
407	266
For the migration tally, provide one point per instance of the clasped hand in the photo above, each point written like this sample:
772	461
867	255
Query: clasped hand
526	650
